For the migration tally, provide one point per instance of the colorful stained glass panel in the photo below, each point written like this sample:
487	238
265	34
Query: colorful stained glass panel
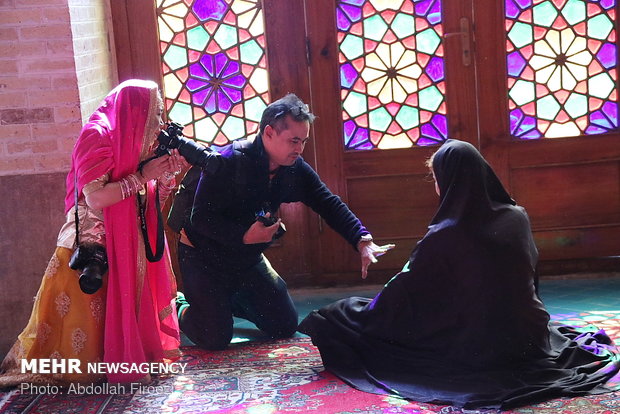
562	67
214	66
391	73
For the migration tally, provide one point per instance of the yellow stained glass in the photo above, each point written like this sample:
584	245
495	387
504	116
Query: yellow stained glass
398	141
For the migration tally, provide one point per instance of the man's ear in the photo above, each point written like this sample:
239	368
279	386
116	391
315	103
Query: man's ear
268	131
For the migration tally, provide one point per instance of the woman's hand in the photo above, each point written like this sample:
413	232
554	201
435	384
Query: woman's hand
154	168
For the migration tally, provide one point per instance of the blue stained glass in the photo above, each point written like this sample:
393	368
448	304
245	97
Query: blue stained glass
422	7
348	75
607	55
341	20
434	16
611	110
354	13
597	118
524	3
516	64
512	10
434	69
209	9
595	130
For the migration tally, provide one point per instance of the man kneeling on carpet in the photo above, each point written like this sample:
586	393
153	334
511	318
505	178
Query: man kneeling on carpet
462	323
233	221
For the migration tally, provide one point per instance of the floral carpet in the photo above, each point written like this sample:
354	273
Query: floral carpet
284	376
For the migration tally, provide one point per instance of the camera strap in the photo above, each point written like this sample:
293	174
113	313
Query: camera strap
159	248
77	217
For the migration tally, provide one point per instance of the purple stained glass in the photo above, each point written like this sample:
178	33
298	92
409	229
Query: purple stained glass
422	7
209	9
512	10
441	124
434	69
521	126
599	119
429	131
611	110
349	129
524	3
592	129
358	136
198	70
354	13
607	55
343	23
199	97
366	146
195	84
354	2
516	63
220	85
434	16
348	75
426	141
607	4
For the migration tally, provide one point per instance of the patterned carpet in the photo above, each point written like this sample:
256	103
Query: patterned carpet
283	376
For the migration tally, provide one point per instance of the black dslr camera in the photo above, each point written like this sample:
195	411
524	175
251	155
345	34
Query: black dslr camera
196	154
270	221
92	261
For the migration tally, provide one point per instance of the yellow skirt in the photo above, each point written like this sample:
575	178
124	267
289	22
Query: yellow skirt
65	324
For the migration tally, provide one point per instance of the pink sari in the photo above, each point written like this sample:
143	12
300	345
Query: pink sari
140	323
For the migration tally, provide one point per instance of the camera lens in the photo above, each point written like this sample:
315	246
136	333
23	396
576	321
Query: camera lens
91	278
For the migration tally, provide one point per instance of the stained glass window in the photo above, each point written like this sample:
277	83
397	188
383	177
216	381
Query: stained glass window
562	67
214	66
391	73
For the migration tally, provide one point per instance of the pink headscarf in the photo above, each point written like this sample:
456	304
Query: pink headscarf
141	323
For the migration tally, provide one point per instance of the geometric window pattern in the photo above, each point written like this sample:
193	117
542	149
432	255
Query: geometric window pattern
214	66
391	73
562	67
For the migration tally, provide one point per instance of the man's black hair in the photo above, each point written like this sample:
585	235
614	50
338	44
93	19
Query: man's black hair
276	113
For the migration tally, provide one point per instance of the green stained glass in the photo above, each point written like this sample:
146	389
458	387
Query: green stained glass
601	85
251	52
214	67
254	108
428	41
430	98
547	107
408	117
234	127
226	36
521	34
544	14
197	38
600	26
352	47
181	113
175	57
403	25
562	82
375	28
574	12
205	130
576	105
380	119
355	104
392	73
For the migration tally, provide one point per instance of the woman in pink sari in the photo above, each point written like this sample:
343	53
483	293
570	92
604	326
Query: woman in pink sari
131	318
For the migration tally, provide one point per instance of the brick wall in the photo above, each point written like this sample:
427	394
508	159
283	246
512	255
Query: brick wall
56	65
92	45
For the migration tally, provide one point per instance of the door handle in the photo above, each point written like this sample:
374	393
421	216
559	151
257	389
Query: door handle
464	34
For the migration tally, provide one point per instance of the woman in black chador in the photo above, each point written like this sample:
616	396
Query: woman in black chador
462	324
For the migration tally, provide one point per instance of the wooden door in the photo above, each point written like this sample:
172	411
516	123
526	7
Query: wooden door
548	111
389	189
